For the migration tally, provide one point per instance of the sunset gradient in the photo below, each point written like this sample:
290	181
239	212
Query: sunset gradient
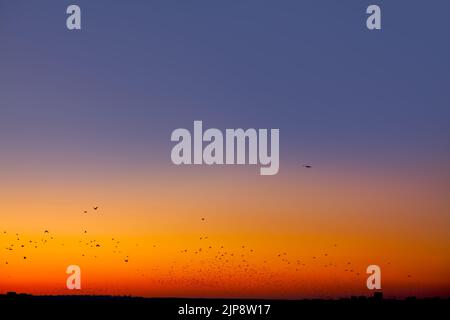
85	121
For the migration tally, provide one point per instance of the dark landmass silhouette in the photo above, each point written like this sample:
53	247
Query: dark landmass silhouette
130	307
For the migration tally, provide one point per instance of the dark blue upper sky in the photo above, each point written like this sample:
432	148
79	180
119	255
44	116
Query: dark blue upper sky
139	69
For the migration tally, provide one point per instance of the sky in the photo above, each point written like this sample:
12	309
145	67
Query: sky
86	118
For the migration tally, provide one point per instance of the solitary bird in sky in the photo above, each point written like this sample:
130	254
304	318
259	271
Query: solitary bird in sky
307	166
95	208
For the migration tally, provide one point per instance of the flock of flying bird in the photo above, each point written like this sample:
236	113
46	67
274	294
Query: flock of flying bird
212	259
218	253
212	263
89	243
21	243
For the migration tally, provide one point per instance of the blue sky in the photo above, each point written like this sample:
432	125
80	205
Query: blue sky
139	69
